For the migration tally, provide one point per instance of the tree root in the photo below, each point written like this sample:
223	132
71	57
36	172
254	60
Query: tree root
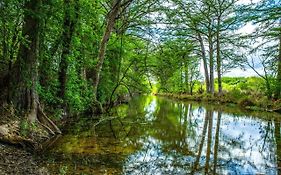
47	123
9	134
47	144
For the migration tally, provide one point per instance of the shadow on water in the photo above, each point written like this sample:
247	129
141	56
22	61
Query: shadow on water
154	135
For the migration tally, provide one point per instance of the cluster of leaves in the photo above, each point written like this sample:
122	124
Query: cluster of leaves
69	40
149	44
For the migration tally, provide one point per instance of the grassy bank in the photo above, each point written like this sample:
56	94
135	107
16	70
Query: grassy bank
251	102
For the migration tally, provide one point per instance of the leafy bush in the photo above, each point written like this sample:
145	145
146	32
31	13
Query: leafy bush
245	101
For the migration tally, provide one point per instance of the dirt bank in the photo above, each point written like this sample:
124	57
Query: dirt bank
16	161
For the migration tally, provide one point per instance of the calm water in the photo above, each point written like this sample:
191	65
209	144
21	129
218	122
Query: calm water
154	135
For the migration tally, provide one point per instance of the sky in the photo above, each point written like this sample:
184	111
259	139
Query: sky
247	29
238	72
248	72
247	1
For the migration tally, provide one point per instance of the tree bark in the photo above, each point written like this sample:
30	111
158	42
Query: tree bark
102	49
278	83
219	62
211	57
25	71
187	81
205	64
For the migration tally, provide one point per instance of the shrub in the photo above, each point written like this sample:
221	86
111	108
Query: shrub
243	102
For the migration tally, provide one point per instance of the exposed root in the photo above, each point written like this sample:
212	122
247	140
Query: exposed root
11	131
9	134
46	122
47	144
48	129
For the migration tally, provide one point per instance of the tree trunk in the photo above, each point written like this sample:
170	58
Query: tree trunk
12	50
25	71
211	57
5	36
69	28
278	83
186	71
219	62
207	80
102	49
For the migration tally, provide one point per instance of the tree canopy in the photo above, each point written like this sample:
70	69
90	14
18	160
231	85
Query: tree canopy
73	56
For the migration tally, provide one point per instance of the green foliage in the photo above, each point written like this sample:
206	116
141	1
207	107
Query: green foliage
26	127
140	55
63	170
176	68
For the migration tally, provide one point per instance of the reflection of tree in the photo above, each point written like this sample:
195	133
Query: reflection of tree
278	144
201	143
217	142
175	130
170	127
176	138
209	141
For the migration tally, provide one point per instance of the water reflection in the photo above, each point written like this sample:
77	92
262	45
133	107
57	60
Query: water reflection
154	135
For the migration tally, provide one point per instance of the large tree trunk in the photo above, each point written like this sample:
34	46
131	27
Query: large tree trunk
205	64
69	28
219	62
25	71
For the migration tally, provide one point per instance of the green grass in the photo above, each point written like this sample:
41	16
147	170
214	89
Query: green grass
247	93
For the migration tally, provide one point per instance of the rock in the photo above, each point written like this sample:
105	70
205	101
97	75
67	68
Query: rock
3	131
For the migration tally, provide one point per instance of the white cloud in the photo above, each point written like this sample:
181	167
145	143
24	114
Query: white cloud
247	29
247	1
237	72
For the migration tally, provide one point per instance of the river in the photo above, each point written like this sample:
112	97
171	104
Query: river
156	135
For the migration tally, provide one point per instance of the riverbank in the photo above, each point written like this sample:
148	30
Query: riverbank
17	161
243	101
19	140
